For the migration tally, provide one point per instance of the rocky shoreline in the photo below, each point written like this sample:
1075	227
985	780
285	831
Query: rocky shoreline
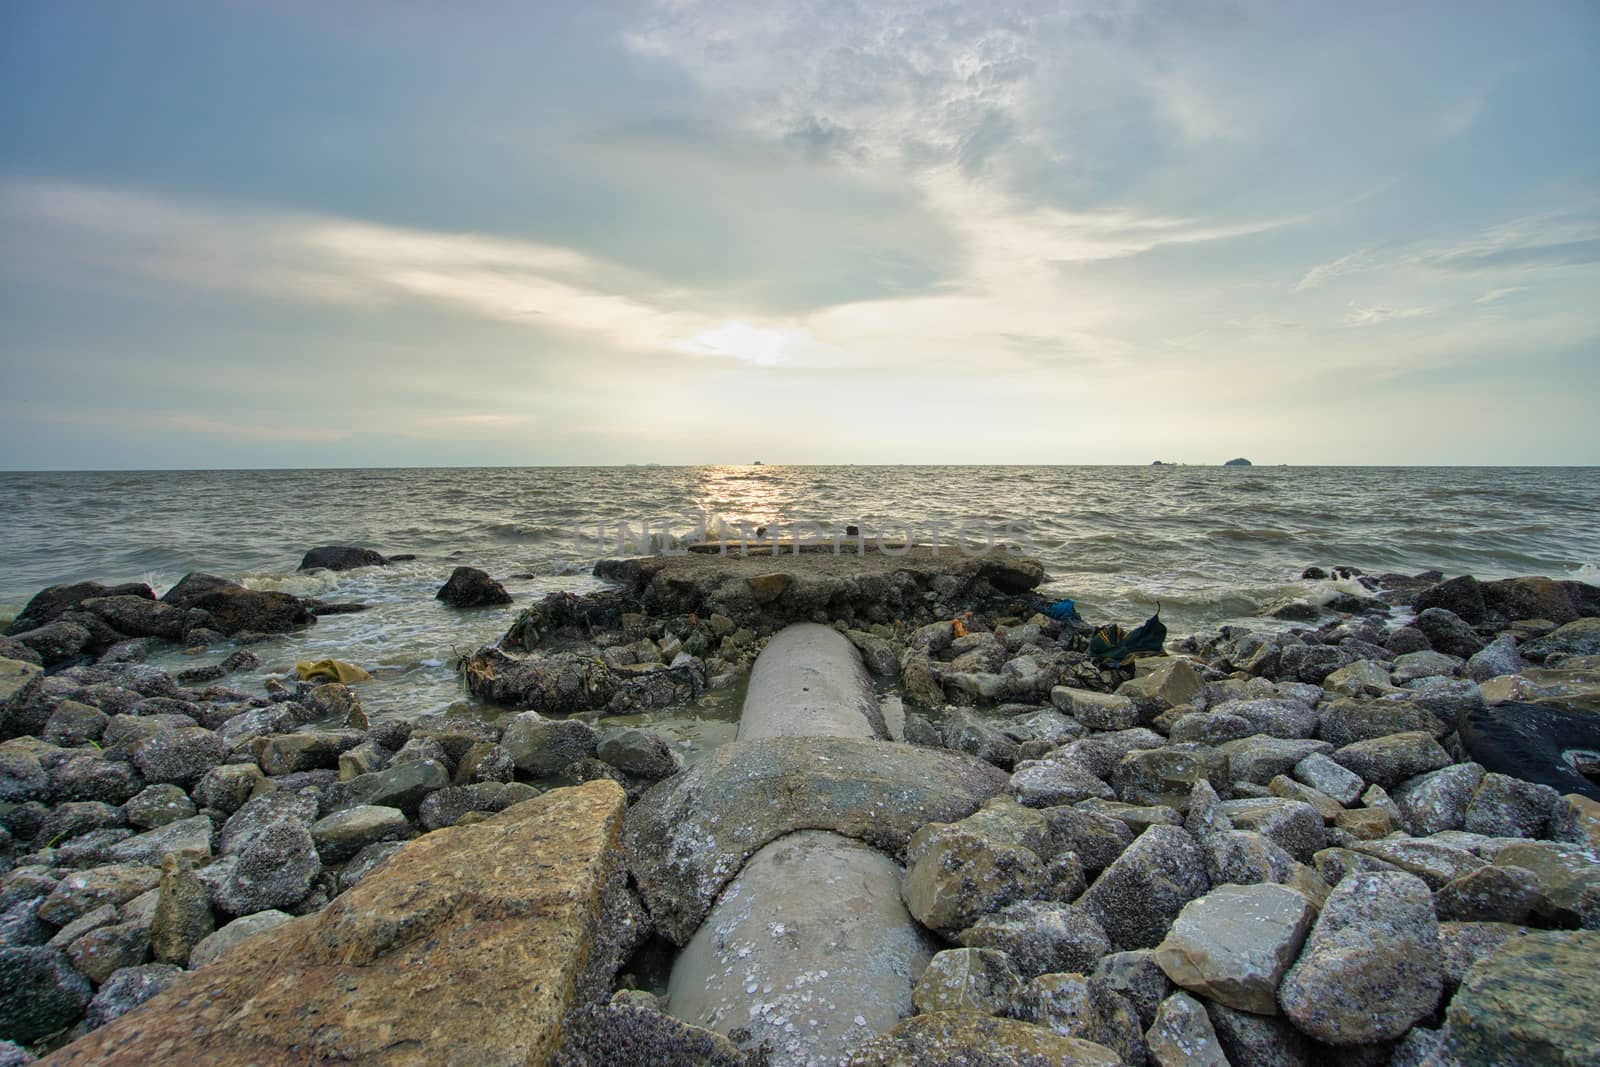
1335	843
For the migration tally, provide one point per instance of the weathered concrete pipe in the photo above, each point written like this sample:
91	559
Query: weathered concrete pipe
810	682
809	949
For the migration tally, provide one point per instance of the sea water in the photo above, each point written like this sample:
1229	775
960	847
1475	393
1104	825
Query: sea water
1210	544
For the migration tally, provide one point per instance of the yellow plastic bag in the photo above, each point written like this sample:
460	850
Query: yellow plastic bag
332	670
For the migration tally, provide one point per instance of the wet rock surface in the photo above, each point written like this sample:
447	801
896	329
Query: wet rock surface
1299	761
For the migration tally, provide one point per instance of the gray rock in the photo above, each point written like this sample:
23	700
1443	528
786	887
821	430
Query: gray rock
1139	895
1324	775
180	756
1251	1040
157	805
309	751
188	838
1182	1035
1097	711
344	833
1388	761
1135	976
1569	879
1045	725
1447	699
73	725
20	925
963	731
83	891
1425	664
469	587
40	993
104	915
1287	719
227	936
541	747
1210	728
1040	937
14	1055
1097	840
447	806
275	870
1449	633
1063	1003
1433	862
1360	678
1489	894
956	875
1260	759
21	776
1372	965
967	979
1461	596
1293	825
1344	722
1581	637
1162	776
260	812
1407	639
1510	807
102	951
127	988
66	821
1498	657
226	788
1235	944
636	751
1054	781
1438	800
1533	1000
400	785
93	777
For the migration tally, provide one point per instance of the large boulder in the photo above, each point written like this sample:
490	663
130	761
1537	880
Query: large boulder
40	992
967	979
506	915
341	558
1581	637
54	601
1041	937
1449	633
1372	966
1137	897
233	608
689	835
1235	944
1532	1001
1462	595
469	587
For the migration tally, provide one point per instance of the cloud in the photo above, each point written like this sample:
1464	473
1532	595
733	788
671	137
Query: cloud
1376	315
1494	296
1523	245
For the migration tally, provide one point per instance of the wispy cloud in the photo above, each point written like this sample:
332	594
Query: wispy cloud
1494	296
1522	245
1378	314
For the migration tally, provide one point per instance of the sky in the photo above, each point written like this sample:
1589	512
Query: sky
420	233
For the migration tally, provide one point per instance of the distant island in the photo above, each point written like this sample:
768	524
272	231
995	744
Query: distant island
1240	462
